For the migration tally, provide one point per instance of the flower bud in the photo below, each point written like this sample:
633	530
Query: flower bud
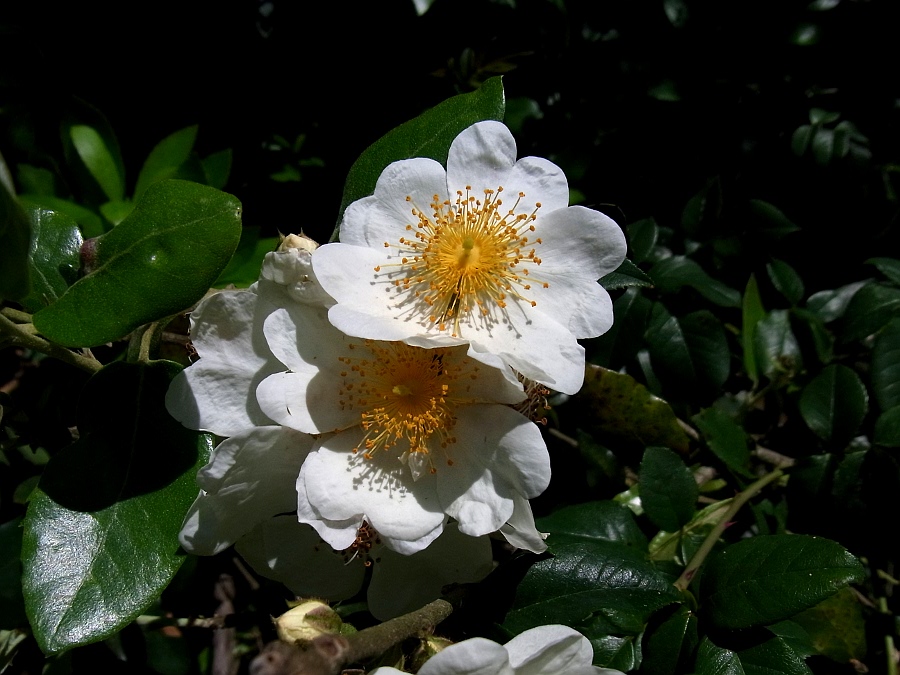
300	241
306	621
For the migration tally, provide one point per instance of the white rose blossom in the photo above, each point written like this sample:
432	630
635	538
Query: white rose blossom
487	253
544	650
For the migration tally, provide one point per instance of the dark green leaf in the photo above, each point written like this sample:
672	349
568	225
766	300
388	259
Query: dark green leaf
889	267
35	179
217	168
726	438
244	266
626	275
753	312
621	342
101	532
708	347
619	653
595	521
886	366
771	221
668	489
836	626
99	159
713	660
428	135
834	404
777	350
869	310
642	237
606	580
670	643
165	158
15	238
800	139
769	578
619	406
786	280
157	262
672	274
831	305
12	605
887	428
821	116
54	259
822	339
771	657
680	545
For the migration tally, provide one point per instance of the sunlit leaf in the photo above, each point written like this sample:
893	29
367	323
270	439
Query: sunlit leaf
769	578
165	158
54	259
157	262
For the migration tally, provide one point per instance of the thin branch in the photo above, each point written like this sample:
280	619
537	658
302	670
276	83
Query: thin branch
25	335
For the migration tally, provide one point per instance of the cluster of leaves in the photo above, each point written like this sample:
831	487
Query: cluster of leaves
709	404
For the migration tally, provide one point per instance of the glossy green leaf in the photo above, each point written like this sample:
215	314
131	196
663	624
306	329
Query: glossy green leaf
773	656
887	428
752	312
217	168
670	643
886	366
159	261
642	237
668	489
678	546
12	605
595	521
870	309
672	274
726	438
831	305
91	224
776	347
54	259
834	404
99	159
822	338
620	407
621	343
165	158
618	653
714	660
889	267
609	581
786	280
770	220
708	347
428	135
15	238
768	578
101	532
627	275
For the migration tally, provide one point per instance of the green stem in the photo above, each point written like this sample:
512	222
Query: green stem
739	500
25	335
889	649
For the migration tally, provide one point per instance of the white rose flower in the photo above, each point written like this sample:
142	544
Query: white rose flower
545	650
487	253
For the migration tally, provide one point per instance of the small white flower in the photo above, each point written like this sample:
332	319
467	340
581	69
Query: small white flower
545	650
487	253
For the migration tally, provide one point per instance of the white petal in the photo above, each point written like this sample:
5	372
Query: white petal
303	339
549	650
250	478
216	393
480	156
308	402
476	656
542	182
383	216
340	534
287	276
284	550
520	530
341	485
403	583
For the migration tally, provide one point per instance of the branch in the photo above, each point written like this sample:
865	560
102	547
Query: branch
25	335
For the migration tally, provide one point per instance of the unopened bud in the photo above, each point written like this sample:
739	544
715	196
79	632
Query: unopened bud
307	621
300	241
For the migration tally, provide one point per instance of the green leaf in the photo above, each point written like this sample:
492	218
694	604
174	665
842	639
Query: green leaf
609	581
870	309
642	238
680	545
768	578
668	489
116	212
726	438
887	428
885	367
822	338
770	220
626	275
836	627
776	347
91	224
12	605
713	660
618	653
786	280
621	343
101	532
157	262
428	135
670	643
595	521
753	312
217	168
708	347
889	267
831	305
834	404
672	274
15	237
99	159
244	267
620	407
773	656
165	158
54	259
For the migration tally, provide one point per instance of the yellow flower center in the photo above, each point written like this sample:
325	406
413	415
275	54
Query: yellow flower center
466	259
404	394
